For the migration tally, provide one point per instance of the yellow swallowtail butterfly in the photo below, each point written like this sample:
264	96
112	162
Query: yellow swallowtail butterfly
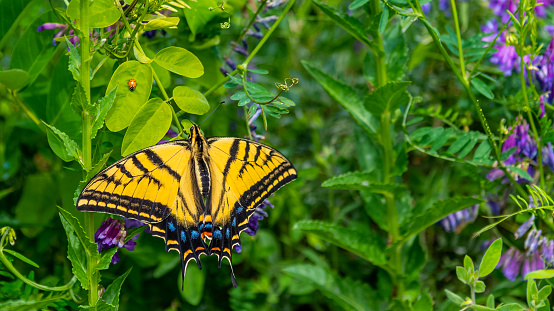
191	191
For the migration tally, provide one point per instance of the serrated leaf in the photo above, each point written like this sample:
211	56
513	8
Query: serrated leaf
70	146
103	105
111	295
78	246
482	88
348	293
436	212
361	181
346	96
74	60
366	244
387	98
491	258
80	102
21	257
190	101
106	258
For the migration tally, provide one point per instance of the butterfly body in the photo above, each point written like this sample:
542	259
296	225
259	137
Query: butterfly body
196	194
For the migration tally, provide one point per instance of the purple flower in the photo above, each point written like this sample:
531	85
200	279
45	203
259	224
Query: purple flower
457	221
62	30
532	263
259	214
170	134
549	29
499	8
548	252
491	27
505	58
493	205
545	73
112	233
511	263
524	227
444	5
426	8
548	156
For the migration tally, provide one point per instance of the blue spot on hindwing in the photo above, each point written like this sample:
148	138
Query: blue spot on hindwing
183	236
234	221
239	209
208	226
217	234
194	234
227	233
201	226
171	226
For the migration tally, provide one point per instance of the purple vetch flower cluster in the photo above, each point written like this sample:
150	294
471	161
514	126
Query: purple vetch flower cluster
62	30
525	154
457	221
112	233
538	254
544	74
499	8
505	56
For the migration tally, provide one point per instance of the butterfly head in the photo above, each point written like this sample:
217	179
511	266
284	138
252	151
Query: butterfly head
196	138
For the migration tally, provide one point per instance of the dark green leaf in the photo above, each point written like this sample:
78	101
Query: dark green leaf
468	147
520	172
346	96
348	23
111	295
361	181
459	143
36	207
106	258
356	4
135	231
424	303
80	103
74	60
71	146
387	98
483	151
491	258
148	127
194	285
384	19
510	307
348	293
438	211
442	139
180	61
14	79
200	14
482	88
190	101
366	244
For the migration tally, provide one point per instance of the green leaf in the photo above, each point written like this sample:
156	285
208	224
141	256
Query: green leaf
103	105
424	303
461	273
14	79
532	291
468	265
479	287
366	244
348	23
162	23
21	257
33	50
361	181
510	307
348	293
459	143
387	98
200	14
102	13
384	19
190	101
490	301
482	88
127	102
135	231
457	300
180	61
106	258
148	127
481	308
79	246
110	298
274	111
194	285
10	11
483	151
258	71
80	103
520	172
74	60
70	145
346	96
544	292
540	274
436	212
491	258
356	4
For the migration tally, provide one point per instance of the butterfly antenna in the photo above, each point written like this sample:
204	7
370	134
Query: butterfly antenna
212	112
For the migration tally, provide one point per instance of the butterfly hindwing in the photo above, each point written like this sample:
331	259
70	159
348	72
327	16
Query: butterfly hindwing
243	174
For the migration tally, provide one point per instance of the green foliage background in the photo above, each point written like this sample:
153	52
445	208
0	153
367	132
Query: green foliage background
327	244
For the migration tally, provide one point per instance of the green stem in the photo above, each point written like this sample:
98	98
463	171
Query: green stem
86	148
20	276
459	38
245	30
380	66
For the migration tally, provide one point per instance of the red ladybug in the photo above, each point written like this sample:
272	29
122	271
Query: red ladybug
132	84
